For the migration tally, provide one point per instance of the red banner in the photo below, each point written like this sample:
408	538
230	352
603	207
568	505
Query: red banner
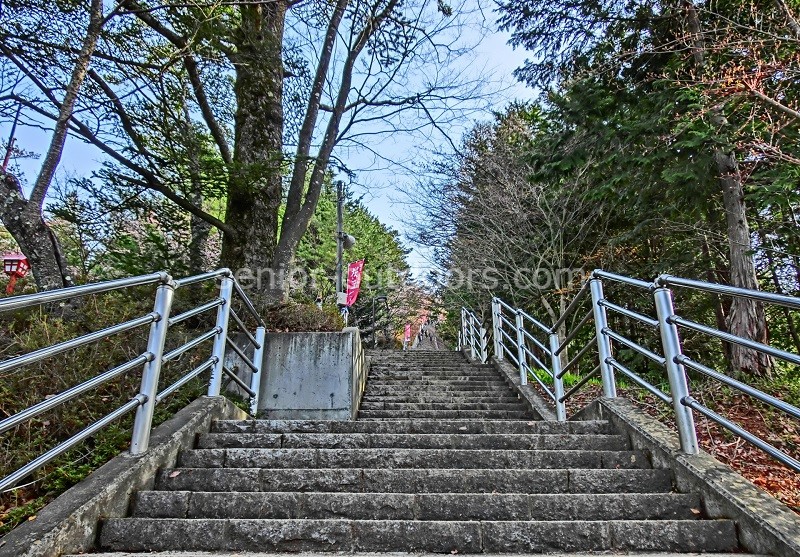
354	272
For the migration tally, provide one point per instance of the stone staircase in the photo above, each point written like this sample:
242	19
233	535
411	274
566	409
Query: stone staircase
444	458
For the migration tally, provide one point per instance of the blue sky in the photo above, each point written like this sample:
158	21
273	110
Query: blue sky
386	195
383	186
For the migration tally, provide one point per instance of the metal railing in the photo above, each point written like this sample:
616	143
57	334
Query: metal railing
540	351
360	370
151	360
474	336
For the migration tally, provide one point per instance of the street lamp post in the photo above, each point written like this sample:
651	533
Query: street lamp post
339	232
344	241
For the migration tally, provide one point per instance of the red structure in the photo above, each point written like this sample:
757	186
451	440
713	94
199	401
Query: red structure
16	266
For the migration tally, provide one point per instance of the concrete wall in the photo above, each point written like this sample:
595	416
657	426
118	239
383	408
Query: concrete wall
309	376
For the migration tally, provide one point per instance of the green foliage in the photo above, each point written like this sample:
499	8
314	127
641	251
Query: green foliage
569	378
19	389
303	317
375	242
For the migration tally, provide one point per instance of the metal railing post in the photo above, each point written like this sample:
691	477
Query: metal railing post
473	350
497	326
258	359
218	351
143	422
603	342
522	355
679	388
484	344
558	382
463	343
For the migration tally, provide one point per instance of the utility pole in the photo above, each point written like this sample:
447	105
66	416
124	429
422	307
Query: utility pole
339	236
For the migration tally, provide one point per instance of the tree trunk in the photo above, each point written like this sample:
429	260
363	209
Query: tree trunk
33	235
199	229
746	317
198	243
254	192
23	218
719	308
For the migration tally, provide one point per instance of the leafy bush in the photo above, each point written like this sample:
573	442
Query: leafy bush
294	317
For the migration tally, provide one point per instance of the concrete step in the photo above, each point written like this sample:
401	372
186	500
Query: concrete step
406	506
427	361
401	480
433	368
374	388
392	458
456	405
438	370
443	396
432	387
411	426
421	399
162	534
455	381
442	441
373	554
384	403
446	414
434	377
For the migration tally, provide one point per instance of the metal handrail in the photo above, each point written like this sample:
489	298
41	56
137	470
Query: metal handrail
61	347
629	313
727	337
775	453
533	320
236	379
152	359
575	388
747	389
185	379
196	311
248	304
510	354
243	329
474	336
536	341
243	356
724	289
533	356
575	359
69	394
572	306
179	351
511	341
641	382
203	277
30	300
649	354
575	332
613	277
12	479
541	384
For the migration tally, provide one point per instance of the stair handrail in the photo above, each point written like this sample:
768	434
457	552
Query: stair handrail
520	341
474	336
152	359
